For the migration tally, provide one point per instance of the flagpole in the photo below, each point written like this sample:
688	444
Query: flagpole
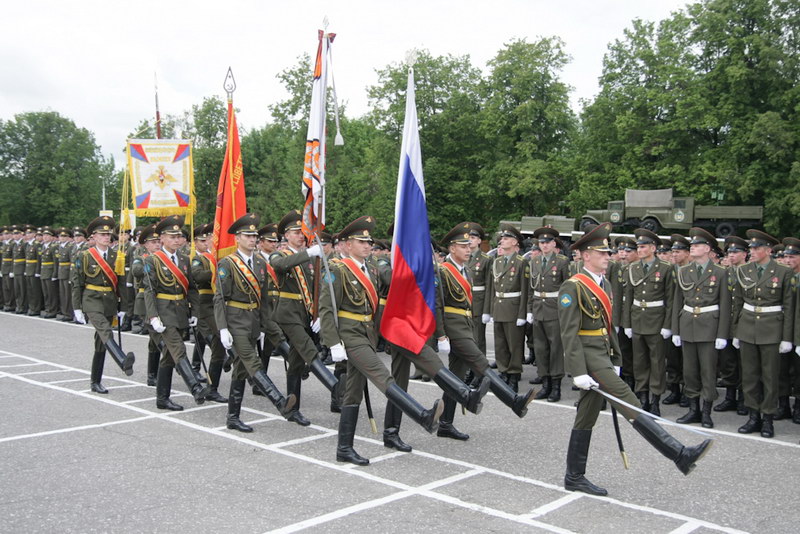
158	113
230	86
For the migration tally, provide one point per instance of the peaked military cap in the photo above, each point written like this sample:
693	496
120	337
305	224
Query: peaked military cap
29	228
204	231
624	242
15	229
148	233
734	243
506	230
3	229
290	221
325	238
594	239
247	224
101	225
63	231
760	239
777	250
381	244
269	232
702	237
545	233
360	229
170	225
459	235
679	242
664	246
45	230
646	237
792	246
477	230
78	231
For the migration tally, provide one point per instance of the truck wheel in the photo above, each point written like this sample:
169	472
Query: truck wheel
651	224
724	229
585	223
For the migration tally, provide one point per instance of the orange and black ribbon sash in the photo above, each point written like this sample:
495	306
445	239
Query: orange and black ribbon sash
300	276
372	294
210	257
458	277
597	291
105	267
248	275
179	276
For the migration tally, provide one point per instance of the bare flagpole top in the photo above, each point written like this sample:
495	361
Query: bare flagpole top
229	84
411	57
325	23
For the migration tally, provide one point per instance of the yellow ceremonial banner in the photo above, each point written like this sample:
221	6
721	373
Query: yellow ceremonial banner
162	177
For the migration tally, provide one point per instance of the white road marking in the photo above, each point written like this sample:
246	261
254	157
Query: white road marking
42	372
686	528
555	505
74	429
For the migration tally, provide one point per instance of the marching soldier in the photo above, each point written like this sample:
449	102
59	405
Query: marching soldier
169	289
95	288
508	307
793	252
763	326
3	243
47	273
33	285
593	358
700	325
647	317
790	364
7	270
548	271
151	242
20	285
63	266
480	268
240	313
679	257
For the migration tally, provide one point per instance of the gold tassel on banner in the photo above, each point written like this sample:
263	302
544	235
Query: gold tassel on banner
124	224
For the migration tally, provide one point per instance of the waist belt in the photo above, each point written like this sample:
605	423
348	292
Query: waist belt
478	288
8	259
168	296
273	293
546	295
206	291
507	295
141	290
291	296
700	309
648	304
20	260
242	305
98	288
762	309
48	263
598	332
382	302
458	311
355	316
31	261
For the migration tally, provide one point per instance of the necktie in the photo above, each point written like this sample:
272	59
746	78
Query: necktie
760	271
544	263
602	282
646	268
364	268
249	263
699	270
174	259
104	256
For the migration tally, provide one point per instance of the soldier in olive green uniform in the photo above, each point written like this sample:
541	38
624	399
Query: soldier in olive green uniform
150	242
274	340
792	361
127	293
20	285
674	355
33	286
593	358
763	330
47	273
480	268
548	271
701	317
647	317
63	266
94	292
509	304
626	252
4	238
169	289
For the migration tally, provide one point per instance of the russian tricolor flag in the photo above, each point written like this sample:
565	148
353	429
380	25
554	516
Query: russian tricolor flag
409	319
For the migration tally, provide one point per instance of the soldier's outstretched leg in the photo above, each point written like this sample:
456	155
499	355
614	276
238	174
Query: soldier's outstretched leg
323	373
446	428
192	381
391	429
152	366
163	390
518	403
427	419
684	457
347	430
235	397
293	385
98	360
285	405
125	361
340	372
577	454
456	389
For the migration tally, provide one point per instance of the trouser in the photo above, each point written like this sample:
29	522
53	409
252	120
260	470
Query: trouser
206	327
176	349
626	348
548	349
34	294
303	348
427	359
8	292
50	296
649	366
674	365
590	402
364	364
102	329
465	354
700	370
729	366
760	372
21	292
127	298
509	347
247	362
479	331
65	298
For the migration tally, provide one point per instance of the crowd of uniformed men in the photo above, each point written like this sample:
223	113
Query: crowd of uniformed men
670	320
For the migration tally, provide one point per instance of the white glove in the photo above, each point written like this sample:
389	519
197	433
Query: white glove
80	317
784	347
735	343
54	279
720	343
261	338
665	333
315	325
617	369
521	322
584	382
37	275
128	284
157	325
617	329
314	251
628	332
444	345
338	353
486	318
226	338
676	340
797	350
11	275
192	322
529	318
121	316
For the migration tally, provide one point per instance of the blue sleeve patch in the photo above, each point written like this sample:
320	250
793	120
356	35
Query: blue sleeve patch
566	301
196	263
147	267
222	272
329	277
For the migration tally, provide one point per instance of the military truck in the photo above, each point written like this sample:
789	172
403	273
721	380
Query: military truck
657	209
563	225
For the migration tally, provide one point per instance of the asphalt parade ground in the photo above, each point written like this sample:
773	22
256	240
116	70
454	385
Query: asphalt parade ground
75	461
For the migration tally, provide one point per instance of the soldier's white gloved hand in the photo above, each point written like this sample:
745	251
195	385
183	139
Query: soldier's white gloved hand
486	318
521	322
157	325
37	275
720	343
54	279
226	338
666	333
11	275
584	382
628	332
797	350
80	317
192	322
529	318
338	353
676	340
261	337
128	284
315	325
121	316
735	343
784	347
617	369
444	345
314	251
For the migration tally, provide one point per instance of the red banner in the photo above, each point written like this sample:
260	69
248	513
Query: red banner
231	199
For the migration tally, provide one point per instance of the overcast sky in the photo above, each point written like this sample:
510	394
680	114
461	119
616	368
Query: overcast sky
94	61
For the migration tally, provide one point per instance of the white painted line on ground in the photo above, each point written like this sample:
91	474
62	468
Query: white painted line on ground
117	387
74	429
686	528
307	439
20	365
64	381
42	372
134	401
555	505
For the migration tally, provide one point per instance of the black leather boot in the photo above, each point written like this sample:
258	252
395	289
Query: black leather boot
347	431
235	397
684	402
655	409
555	391
784	409
705	418
98	361
513	381
684	457
535	380
285	405
547	388
458	390
391	429
753	424
446	428
767	428
197	355
741	409
125	361
293	385
152	366
163	389
796	411
214	374
191	380
693	415
729	403
338	392
126	325
644	400
674	396
323	374
577	454
427	419
517	403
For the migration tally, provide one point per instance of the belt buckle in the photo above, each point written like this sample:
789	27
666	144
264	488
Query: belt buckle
758	309
604	331
696	310
644	304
